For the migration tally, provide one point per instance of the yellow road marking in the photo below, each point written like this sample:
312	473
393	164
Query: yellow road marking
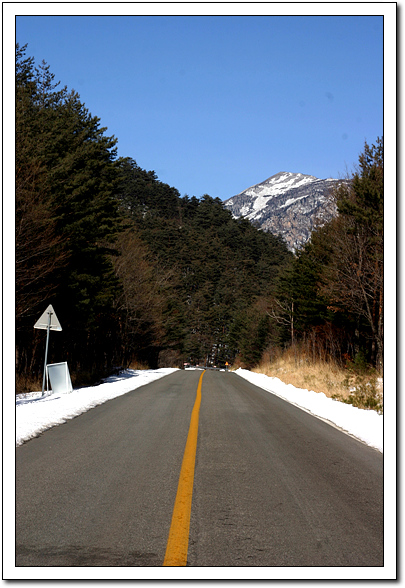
177	544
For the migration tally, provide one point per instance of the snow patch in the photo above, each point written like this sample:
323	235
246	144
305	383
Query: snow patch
366	425
261	194
291	201
36	413
261	202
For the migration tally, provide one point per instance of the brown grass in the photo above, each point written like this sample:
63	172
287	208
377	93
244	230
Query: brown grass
25	384
138	365
293	366
360	387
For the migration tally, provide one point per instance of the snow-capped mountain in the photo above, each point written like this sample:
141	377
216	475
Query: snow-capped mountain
287	204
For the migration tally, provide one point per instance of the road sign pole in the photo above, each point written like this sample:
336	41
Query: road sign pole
46	350
49	321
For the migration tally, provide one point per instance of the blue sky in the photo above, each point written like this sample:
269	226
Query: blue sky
215	104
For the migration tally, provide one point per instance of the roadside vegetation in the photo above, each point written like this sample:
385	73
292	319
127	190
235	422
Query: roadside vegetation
353	383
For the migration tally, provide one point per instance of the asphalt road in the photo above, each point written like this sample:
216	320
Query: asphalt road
273	485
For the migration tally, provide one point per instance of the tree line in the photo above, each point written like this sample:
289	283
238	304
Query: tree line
137	273
331	297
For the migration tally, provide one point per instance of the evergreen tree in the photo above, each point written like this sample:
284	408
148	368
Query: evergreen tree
354	279
333	290
57	135
133	271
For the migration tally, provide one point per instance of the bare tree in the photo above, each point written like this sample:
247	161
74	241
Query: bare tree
354	278
142	298
282	311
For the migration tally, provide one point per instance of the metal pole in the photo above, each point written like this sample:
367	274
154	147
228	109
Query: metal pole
46	351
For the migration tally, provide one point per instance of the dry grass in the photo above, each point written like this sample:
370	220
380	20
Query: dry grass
360	387
25	384
138	365
294	367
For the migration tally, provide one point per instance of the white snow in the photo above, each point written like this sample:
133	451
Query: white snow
244	210
278	185
366	425
261	194
261	201
36	413
292	201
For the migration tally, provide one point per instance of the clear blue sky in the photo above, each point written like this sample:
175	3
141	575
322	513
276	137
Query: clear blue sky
215	104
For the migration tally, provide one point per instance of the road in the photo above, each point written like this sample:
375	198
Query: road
273	485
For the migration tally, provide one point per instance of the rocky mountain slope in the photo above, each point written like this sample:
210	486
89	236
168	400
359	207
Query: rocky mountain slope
288	204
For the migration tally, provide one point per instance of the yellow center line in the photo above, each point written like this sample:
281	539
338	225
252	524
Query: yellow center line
177	544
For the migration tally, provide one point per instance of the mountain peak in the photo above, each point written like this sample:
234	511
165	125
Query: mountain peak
287	203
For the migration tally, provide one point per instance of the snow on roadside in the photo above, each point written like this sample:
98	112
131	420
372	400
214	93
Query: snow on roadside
366	425
36	413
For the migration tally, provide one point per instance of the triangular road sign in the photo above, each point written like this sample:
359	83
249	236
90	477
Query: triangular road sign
43	321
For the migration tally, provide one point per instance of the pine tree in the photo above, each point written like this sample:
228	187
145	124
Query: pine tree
354	280
73	161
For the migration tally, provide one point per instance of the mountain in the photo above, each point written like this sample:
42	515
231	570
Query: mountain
287	204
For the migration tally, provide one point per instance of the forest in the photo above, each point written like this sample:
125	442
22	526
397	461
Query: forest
139	275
